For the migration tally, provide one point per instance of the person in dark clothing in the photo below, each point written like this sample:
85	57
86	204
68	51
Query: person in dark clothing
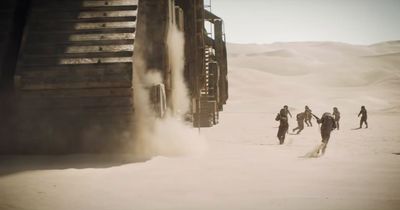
308	116
327	125
283	125
363	119
336	115
287	111
300	122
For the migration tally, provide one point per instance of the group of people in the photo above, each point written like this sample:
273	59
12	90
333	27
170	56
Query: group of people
303	117
328	122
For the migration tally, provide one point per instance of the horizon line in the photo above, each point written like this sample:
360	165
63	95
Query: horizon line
341	42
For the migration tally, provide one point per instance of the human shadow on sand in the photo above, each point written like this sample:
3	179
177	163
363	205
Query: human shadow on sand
10	164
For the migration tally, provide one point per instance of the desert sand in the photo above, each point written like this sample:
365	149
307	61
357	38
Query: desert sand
242	166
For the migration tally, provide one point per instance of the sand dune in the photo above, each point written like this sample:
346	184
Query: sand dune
392	55
244	168
322	67
274	53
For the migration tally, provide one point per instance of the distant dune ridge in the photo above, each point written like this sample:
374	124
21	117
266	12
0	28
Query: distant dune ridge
315	72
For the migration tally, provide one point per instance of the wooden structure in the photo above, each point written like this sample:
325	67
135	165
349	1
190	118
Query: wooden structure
72	78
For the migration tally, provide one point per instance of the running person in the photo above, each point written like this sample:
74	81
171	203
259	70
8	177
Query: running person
283	125
336	115
300	122
363	119
308	116
327	125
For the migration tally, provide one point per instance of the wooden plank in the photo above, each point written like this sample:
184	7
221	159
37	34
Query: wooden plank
40	61
88	113
88	74
30	58
77	20
61	49
83	3
103	3
86	31
87	70
65	42
71	61
94	67
95	37
92	31
101	113
81	15
100	48
48	83
74	103
76	0
78	26
57	7
73	77
93	101
64	60
75	93
115	13
39	38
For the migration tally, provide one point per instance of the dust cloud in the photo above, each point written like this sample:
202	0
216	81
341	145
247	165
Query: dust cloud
171	135
179	94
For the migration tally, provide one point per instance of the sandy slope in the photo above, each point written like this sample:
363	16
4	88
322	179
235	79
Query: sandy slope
244	168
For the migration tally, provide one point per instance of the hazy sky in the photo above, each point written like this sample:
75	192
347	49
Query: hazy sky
350	21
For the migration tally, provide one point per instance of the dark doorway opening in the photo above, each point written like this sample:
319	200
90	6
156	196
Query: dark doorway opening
13	19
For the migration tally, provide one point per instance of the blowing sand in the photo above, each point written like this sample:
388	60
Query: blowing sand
243	166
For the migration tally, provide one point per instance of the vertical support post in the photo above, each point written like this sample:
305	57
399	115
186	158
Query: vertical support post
221	57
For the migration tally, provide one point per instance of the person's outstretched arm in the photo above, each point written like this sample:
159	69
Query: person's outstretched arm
317	118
